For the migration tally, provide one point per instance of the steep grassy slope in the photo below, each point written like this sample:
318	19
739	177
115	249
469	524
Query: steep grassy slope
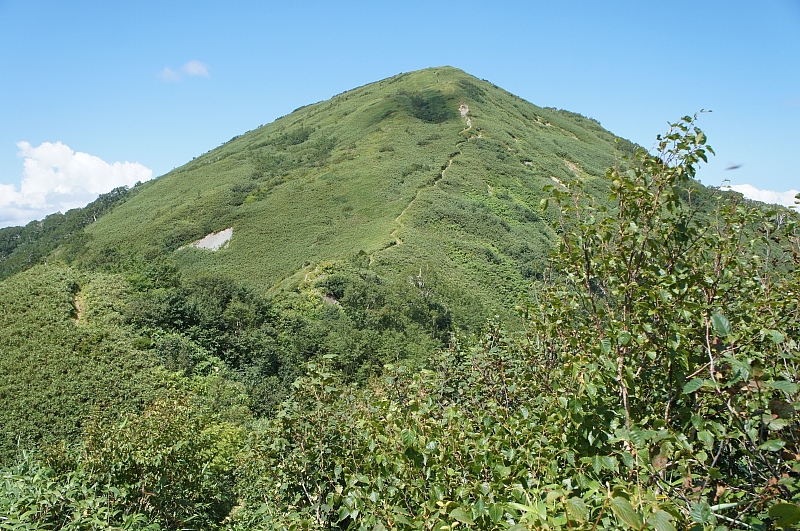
432	171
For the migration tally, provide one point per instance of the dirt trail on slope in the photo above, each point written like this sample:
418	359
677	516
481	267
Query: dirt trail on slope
398	219
80	306
464	110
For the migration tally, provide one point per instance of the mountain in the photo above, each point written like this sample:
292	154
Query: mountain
313	326
370	226
432	170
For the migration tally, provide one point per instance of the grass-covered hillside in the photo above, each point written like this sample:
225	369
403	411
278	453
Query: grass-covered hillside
431	174
370	227
331	366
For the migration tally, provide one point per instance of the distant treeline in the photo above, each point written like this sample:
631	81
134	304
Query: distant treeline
24	247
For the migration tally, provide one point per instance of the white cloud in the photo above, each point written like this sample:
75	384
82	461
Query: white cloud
196	68
168	74
193	68
56	179
766	196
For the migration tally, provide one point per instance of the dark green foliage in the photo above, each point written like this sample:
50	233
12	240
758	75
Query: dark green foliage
205	322
294	137
431	107
174	462
170	467
196	323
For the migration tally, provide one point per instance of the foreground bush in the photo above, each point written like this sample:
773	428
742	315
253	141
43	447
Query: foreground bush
170	467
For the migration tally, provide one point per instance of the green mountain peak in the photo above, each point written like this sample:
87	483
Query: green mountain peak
428	170
289	332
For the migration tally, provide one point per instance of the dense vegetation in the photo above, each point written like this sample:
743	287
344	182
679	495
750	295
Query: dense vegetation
649	381
655	387
64	354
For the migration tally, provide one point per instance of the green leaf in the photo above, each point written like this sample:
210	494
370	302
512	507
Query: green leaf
785	514
700	512
577	509
462	516
609	463
520	507
605	345
775	424
707	438
597	464
692	385
625	511
661	521
624	338
773	445
496	512
408	437
783	385
638	437
776	336
722	327
399	518
539	510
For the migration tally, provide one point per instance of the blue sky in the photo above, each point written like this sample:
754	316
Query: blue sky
88	86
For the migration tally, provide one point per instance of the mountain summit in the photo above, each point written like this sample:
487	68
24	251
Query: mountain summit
432	172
